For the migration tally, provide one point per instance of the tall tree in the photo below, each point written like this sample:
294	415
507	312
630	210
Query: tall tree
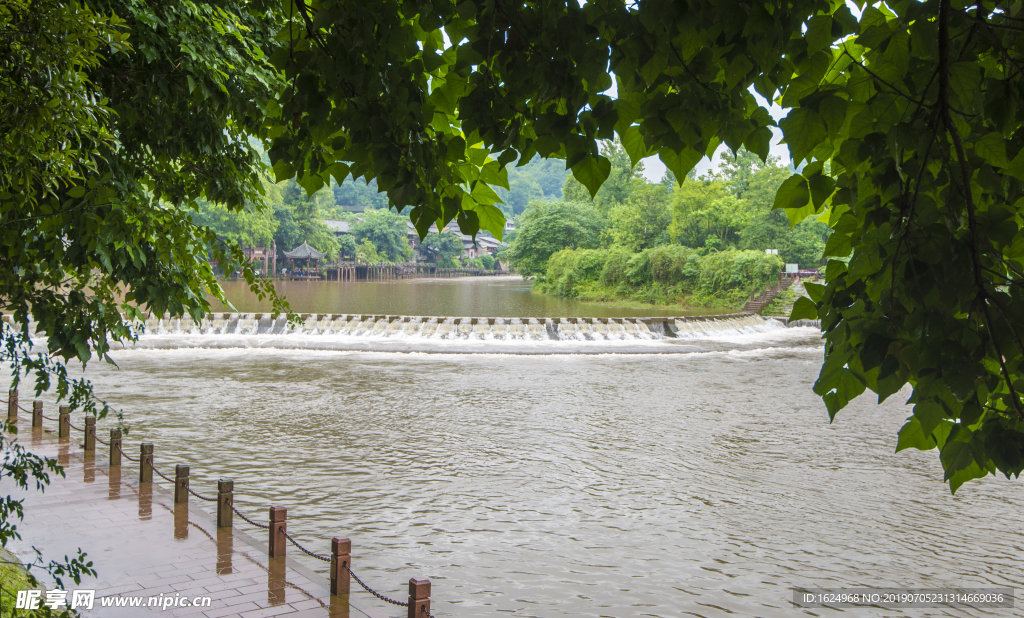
548	227
386	231
640	220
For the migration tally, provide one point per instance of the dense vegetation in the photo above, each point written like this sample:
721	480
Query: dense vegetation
663	274
707	237
117	117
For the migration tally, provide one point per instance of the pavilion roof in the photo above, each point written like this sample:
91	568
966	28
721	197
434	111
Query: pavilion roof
303	252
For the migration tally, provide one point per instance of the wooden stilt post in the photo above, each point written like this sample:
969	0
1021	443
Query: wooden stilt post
419	598
180	484
341	561
37	413
278	527
225	499
115	448
145	463
12	405
63	422
90	433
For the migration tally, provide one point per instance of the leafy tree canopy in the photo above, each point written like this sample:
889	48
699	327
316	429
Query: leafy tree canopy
443	247
548	227
386	231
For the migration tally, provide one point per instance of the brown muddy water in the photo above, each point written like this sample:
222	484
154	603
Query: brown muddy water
477	296
707	482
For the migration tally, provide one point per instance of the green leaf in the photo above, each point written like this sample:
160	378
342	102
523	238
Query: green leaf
822	188
680	163
929	415
992	148
819	33
964	79
804	130
76	191
803	309
491	219
339	171
483	194
759	142
592	171
633	142
815	290
911	435
794	197
493	174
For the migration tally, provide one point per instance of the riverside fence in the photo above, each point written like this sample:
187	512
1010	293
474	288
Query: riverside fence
339	558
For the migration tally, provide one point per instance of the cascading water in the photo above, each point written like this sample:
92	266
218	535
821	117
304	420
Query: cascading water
451	334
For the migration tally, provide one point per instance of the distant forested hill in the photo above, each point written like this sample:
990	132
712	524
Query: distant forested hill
539	179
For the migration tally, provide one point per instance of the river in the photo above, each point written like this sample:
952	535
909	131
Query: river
704	482
477	296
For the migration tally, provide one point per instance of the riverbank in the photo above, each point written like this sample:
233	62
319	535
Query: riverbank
655	296
660	277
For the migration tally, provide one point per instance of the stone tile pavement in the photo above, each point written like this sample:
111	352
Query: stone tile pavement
143	545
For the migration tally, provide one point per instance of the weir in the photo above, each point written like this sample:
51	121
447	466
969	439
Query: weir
455	328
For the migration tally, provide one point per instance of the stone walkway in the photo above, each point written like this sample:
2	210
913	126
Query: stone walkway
143	545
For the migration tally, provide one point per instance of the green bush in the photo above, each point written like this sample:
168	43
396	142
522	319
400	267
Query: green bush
659	275
488	261
673	264
744	271
615	266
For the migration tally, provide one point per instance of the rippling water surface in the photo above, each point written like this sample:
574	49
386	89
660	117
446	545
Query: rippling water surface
707	483
477	296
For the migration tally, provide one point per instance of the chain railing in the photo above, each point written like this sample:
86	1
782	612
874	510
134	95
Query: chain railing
262	527
126	455
116	444
374	592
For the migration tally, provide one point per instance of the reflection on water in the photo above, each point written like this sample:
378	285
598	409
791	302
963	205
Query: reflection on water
708	483
475	296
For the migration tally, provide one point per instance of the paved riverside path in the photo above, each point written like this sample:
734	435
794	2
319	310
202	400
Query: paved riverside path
142	544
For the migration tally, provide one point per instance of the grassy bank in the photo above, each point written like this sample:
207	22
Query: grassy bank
12	579
668	275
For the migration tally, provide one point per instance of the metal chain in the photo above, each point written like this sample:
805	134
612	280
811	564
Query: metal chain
48	418
199	496
153	468
239	513
374	592
304	550
73	427
102	441
127	456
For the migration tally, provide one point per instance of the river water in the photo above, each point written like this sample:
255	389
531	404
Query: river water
705	482
477	296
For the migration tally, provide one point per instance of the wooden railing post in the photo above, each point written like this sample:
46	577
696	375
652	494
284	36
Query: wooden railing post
12	405
180	484
145	463
278	527
63	422
341	561
419	598
225	489
37	413
115	448
90	433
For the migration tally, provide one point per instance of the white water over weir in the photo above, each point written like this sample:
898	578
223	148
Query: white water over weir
398	333
537	329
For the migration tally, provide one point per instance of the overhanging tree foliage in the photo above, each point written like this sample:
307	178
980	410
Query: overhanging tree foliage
913	105
907	117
